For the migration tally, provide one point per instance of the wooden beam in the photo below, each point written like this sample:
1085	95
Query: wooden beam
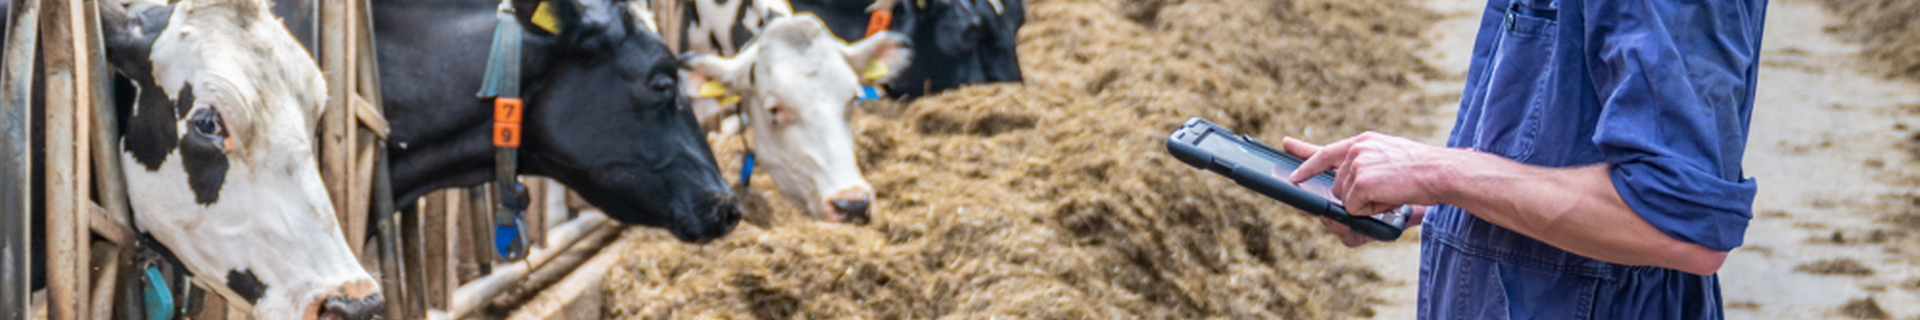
16	90
114	232
108	257
433	226
359	191
479	210
336	66
69	108
106	128
534	219
370	117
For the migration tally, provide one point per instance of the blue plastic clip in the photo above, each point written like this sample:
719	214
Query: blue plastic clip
869	94
506	236
159	297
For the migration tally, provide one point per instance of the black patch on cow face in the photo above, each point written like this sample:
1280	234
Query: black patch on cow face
246	285
203	154
150	134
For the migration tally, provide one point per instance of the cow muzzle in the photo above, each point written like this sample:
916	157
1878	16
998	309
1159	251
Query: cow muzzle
852	205
346	308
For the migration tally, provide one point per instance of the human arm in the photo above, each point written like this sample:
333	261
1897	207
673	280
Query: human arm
1576	209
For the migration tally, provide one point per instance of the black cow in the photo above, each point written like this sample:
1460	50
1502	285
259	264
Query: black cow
604	115
956	42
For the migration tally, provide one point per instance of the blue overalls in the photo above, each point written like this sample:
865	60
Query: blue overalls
1660	89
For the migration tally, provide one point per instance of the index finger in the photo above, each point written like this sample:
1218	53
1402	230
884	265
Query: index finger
1321	161
1298	148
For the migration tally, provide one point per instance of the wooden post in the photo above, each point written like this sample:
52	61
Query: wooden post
108	256
534	218
69	107
336	65
106	127
433	228
15	176
383	209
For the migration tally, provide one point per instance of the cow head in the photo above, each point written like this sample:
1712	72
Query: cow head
606	118
972	42
797	84
220	157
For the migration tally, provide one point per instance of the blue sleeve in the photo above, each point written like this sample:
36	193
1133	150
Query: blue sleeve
1675	81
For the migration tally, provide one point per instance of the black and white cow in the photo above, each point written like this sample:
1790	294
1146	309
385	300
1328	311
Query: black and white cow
219	157
603	113
958	42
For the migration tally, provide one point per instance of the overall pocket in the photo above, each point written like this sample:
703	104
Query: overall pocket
1519	79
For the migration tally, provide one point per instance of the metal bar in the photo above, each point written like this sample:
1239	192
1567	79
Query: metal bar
15	175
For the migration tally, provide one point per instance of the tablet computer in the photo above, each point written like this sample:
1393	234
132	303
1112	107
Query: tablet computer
1264	169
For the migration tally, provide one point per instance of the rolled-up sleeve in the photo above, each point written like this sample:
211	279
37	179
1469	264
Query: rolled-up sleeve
1676	85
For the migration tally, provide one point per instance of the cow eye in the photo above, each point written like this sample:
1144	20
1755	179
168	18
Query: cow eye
661	83
207	123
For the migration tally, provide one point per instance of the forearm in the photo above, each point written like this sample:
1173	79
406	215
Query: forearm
1574	209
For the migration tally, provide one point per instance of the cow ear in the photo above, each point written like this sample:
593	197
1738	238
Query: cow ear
879	57
551	17
579	23
702	72
128	35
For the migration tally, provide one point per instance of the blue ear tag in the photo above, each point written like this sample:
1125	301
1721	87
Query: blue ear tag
746	170
159	297
868	93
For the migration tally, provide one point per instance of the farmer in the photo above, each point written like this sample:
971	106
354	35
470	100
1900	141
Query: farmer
1593	172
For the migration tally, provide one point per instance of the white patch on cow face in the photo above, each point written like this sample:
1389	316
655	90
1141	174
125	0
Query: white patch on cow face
798	85
271	220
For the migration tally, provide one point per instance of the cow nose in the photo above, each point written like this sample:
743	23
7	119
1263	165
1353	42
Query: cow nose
850	206
727	214
344	308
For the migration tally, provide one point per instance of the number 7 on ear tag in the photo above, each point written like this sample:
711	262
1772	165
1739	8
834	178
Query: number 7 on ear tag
506	122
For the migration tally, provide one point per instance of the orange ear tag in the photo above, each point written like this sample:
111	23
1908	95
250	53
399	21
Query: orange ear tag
506	122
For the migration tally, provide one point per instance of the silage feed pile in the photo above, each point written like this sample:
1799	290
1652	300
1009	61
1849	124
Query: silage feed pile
1887	29
1055	198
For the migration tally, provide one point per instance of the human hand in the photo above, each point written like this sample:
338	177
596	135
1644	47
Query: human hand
1346	235
1377	173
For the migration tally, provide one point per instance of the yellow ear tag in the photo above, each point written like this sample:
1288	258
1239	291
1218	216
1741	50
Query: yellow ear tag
543	17
712	89
877	70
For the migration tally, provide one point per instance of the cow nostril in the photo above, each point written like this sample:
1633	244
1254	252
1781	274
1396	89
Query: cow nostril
726	214
343	308
854	209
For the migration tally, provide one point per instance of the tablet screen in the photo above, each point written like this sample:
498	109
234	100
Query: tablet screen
1224	146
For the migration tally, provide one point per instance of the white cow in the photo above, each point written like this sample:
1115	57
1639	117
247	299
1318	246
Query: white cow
797	84
220	157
